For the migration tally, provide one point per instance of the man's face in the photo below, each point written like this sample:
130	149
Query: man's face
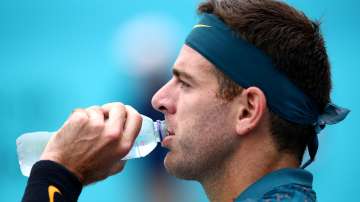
200	124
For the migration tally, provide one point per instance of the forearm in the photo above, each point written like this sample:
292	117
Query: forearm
50	182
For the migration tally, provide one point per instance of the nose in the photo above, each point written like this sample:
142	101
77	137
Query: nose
164	99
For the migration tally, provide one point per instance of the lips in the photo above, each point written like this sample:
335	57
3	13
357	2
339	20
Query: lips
169	127
170	133
167	140
169	130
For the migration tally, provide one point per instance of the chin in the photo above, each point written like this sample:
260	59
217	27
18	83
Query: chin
178	168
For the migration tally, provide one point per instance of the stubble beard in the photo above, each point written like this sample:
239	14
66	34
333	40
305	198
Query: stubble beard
203	147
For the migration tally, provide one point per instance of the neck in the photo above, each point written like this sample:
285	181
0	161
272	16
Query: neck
239	171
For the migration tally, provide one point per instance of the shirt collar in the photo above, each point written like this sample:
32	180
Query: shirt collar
275	179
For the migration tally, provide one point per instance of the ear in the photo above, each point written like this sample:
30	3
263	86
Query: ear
251	110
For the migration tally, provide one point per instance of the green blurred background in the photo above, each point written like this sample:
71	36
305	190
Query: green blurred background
59	55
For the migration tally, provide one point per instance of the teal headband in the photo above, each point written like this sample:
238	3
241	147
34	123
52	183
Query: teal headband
249	66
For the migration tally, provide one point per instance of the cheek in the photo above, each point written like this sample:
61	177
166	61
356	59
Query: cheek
204	128
191	107
201	117
203	142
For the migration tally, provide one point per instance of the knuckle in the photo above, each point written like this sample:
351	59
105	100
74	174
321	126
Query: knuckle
113	134
120	106
138	118
97	125
138	122
93	110
79	116
110	137
114	104
126	146
94	107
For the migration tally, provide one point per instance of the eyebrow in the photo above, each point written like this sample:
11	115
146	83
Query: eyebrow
181	74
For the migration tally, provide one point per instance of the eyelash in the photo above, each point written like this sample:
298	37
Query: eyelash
184	84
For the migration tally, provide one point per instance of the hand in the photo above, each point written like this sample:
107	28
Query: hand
92	141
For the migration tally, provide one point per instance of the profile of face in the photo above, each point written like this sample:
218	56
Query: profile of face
200	124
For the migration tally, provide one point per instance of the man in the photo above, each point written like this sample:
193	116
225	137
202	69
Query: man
250	92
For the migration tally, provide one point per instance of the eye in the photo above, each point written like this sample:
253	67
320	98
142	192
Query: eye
183	84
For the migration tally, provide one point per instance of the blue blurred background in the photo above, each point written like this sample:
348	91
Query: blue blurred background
59	55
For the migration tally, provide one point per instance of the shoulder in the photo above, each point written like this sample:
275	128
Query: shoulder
290	193
284	185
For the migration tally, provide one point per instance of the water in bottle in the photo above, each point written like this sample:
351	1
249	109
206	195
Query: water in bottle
31	145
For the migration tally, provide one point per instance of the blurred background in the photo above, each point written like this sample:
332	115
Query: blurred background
59	55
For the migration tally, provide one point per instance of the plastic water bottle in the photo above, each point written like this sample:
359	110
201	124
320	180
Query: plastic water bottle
30	146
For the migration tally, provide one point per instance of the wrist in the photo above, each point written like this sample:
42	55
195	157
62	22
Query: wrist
57	159
46	173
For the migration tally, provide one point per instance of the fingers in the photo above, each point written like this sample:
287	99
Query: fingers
114	125
92	140
77	120
132	127
114	120
123	122
96	118
118	167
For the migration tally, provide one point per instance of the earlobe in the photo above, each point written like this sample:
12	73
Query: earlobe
251	110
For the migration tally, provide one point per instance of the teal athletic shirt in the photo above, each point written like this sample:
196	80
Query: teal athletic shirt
284	185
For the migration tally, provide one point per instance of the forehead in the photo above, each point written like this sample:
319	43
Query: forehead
191	62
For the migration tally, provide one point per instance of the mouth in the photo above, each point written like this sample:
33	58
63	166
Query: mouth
168	138
170	133
169	129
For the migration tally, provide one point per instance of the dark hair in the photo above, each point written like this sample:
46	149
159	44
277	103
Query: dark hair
297	49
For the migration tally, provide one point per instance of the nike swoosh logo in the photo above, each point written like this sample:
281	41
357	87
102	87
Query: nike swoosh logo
52	190
200	25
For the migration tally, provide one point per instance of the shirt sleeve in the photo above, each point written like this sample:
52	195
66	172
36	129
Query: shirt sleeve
51	182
